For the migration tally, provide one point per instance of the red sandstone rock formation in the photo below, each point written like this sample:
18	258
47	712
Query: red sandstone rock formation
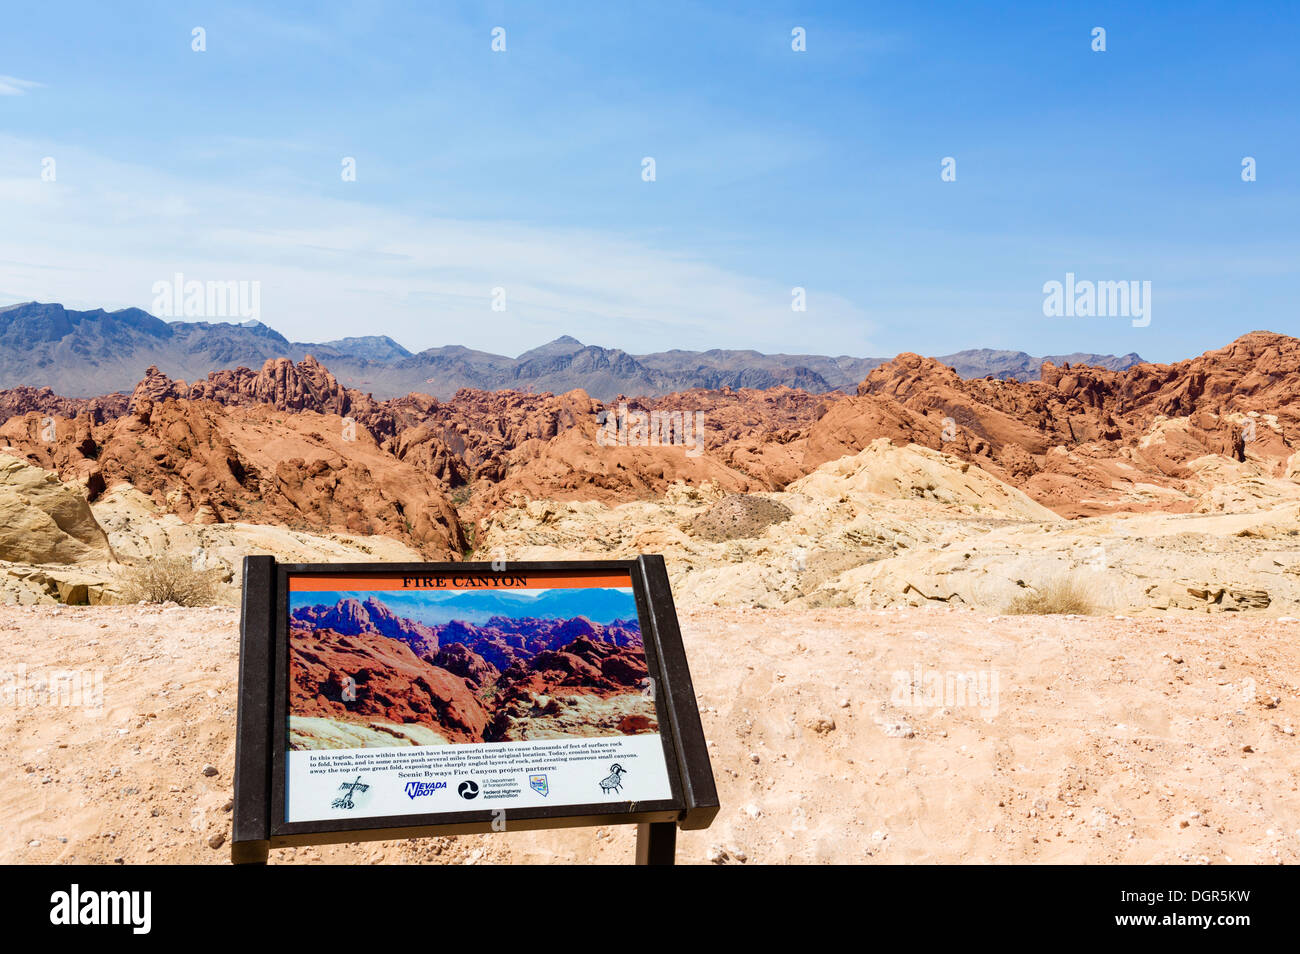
352	677
274	444
1079	439
254	464
305	386
15	402
357	660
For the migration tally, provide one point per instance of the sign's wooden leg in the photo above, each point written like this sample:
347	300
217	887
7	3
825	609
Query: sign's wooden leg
656	843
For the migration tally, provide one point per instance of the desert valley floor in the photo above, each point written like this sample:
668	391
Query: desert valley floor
1113	740
938	620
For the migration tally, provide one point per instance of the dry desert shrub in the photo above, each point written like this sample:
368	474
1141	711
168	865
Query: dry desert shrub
170	579
1059	596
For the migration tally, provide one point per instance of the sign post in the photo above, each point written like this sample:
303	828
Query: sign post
381	701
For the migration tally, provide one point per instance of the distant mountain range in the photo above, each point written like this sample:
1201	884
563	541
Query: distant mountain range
88	353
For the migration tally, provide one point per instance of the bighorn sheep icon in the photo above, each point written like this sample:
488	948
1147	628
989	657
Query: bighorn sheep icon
614	783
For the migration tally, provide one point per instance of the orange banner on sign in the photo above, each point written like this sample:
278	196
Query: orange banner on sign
459	581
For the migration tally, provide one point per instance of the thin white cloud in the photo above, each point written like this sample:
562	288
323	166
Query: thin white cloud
333	267
13	86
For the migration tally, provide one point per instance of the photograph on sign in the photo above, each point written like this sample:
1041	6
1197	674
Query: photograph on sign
422	694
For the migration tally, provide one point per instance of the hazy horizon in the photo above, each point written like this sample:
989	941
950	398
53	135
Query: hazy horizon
613	345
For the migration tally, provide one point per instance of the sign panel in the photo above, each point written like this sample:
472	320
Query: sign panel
398	701
438	692
403	700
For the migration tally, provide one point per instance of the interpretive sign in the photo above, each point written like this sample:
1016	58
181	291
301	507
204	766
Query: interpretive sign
397	700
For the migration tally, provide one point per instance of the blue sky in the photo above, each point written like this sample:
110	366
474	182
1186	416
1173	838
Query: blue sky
774	169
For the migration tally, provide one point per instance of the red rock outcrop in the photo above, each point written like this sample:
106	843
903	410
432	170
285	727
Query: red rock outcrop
356	660
16	402
254	464
352	677
305	386
1082	440
353	617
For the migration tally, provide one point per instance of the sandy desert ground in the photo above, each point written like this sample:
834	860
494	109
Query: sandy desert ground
1102	739
842	564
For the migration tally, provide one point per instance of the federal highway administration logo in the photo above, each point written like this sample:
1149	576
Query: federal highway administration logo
538	784
468	789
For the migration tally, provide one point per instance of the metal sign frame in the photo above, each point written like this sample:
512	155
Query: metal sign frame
261	742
